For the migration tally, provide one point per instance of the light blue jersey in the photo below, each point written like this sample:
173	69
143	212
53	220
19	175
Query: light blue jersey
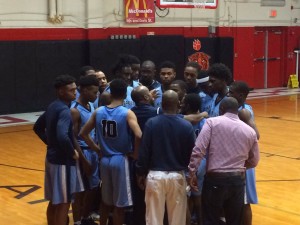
198	127
112	130
202	167
128	102
251	193
135	83
206	101
85	114
214	106
158	100
249	108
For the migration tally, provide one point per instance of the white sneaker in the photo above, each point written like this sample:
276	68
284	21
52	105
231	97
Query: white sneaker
95	216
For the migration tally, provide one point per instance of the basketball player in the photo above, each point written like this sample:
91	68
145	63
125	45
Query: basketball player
191	104
55	129
219	77
81	111
239	90
113	124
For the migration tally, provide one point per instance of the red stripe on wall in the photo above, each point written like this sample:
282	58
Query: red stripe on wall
27	34
21	34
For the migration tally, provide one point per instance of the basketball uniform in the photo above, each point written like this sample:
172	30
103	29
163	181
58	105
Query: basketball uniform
250	193
92	181
113	135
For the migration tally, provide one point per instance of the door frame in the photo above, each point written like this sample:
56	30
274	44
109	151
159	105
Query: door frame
282	57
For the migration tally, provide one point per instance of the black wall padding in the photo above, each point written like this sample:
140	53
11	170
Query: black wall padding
25	78
104	53
162	48
28	69
7	77
219	49
55	58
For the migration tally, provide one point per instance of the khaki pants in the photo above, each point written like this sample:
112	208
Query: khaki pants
168	188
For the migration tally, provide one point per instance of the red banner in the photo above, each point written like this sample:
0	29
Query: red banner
139	11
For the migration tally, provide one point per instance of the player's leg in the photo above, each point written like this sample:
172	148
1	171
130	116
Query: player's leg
122	193
106	205
118	215
93	182
51	214
247	215
250	196
61	213
77	207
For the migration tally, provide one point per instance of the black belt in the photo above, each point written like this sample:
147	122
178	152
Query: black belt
226	174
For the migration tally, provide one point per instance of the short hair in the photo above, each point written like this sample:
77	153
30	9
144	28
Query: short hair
240	87
132	59
167	64
104	98
193	100
121	63
194	65
118	88
84	69
87	81
229	104
63	80
220	71
181	84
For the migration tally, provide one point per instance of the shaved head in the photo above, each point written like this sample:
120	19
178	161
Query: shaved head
149	64
170	101
140	94
230	105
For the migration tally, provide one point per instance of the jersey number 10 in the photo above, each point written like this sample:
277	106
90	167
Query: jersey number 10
109	128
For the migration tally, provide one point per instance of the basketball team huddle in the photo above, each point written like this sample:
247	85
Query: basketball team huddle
140	151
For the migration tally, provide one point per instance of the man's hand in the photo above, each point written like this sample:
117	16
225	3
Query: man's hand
141	182
193	182
76	155
132	155
154	94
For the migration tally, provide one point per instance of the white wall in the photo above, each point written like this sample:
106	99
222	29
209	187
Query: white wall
110	13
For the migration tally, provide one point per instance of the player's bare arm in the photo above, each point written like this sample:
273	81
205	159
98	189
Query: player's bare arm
76	120
195	118
245	116
134	126
85	133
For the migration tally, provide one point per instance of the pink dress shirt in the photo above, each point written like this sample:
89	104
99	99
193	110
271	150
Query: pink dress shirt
228	144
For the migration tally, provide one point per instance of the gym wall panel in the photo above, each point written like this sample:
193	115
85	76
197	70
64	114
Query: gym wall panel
28	69
164	47
104	53
55	58
25	76
7	77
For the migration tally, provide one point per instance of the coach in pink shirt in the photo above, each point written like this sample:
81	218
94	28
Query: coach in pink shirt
229	146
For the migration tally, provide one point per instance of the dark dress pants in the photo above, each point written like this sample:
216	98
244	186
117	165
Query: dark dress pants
223	195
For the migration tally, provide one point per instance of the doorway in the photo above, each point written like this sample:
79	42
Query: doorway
268	57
